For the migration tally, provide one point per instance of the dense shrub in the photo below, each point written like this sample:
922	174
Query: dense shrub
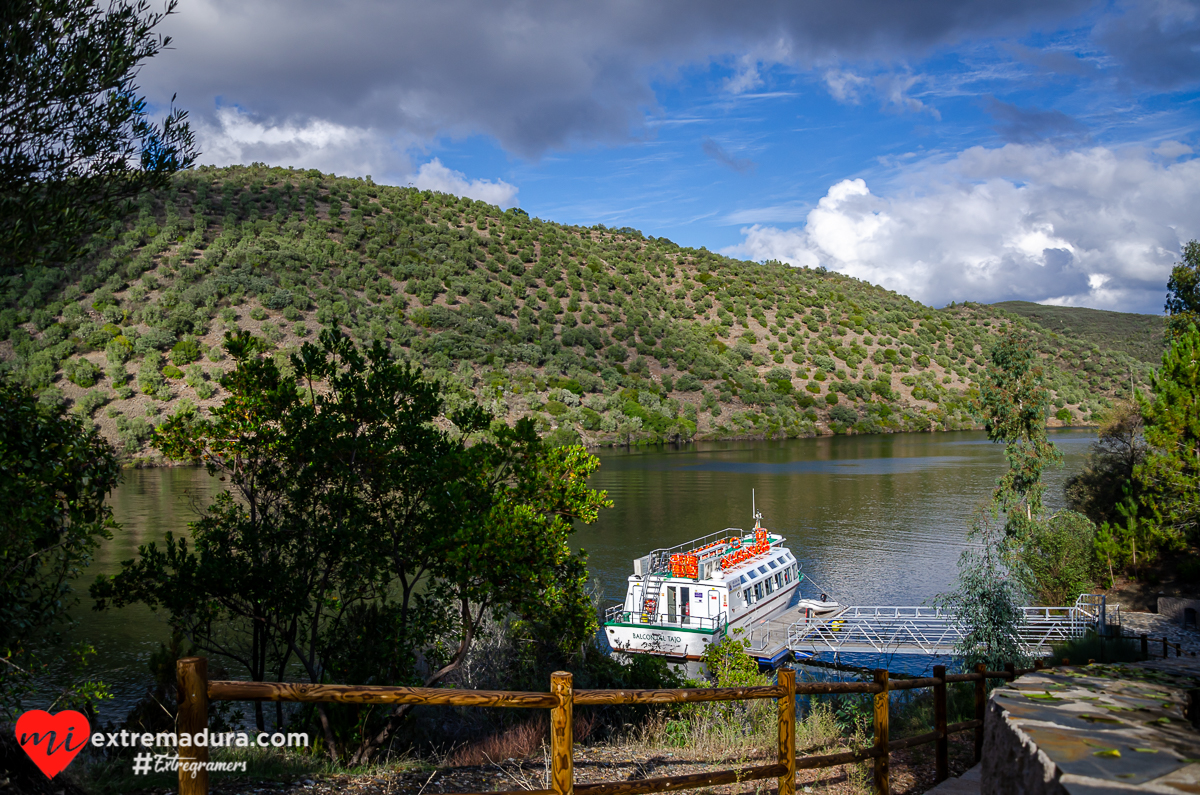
81	372
185	352
843	414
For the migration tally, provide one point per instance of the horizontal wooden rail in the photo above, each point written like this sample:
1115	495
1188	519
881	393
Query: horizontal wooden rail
963	726
596	698
690	781
916	739
951	678
833	760
831	688
196	693
372	694
912	684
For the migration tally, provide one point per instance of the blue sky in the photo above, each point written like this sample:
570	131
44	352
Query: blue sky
947	150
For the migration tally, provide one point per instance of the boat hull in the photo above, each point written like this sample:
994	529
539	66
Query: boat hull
663	641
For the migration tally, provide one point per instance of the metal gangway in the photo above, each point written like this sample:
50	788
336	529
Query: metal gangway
930	630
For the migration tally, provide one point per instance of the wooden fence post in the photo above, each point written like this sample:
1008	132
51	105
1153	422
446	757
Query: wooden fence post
562	741
939	724
1011	670
882	781
787	730
1145	647
191	677
980	705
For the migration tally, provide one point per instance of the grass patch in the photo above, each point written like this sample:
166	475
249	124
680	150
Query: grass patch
1093	647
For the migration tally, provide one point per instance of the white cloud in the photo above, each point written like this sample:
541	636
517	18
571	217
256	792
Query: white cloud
1096	227
235	136
892	89
1172	149
844	86
435	176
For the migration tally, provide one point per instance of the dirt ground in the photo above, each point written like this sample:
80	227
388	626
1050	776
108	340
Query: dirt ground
1141	595
912	773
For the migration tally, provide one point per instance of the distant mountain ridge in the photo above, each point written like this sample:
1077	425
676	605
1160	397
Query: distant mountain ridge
1140	336
604	335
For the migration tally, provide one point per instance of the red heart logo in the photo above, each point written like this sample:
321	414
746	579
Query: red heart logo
52	741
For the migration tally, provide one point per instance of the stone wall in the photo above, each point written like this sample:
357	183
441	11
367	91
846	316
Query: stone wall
1086	730
1173	608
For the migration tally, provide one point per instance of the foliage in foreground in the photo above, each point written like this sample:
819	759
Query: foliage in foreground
54	478
987	598
73	124
366	536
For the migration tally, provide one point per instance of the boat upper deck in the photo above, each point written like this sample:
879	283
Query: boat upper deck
731	550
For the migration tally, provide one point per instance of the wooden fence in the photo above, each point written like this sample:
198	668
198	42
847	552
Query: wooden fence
196	691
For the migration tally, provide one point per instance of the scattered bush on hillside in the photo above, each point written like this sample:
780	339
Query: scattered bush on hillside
611	305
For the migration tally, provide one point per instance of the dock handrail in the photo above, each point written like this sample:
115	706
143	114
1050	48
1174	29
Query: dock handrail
930	630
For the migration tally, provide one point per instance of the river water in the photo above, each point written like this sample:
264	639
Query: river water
875	520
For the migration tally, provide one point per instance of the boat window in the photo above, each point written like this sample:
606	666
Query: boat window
773	564
762	569
744	580
746	596
778	581
758	591
787	575
770	585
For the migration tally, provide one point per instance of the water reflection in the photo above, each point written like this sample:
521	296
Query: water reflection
874	519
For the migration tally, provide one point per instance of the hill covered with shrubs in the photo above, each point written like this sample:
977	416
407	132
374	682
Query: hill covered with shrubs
600	334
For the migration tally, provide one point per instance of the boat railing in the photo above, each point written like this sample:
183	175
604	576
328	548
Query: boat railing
617	614
659	559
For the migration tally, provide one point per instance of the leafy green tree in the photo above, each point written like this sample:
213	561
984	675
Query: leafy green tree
1169	477
365	535
72	124
1060	557
1106	479
1183	291
1014	404
54	477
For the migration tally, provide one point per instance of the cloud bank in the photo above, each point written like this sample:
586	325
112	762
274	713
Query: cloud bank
435	176
536	76
1098	227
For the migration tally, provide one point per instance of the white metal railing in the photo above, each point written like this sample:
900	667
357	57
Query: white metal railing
929	630
617	614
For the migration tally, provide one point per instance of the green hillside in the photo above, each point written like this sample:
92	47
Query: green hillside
1140	336
601	334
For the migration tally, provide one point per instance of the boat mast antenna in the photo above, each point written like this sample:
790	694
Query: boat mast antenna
754	509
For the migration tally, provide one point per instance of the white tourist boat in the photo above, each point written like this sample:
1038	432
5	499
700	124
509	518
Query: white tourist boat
681	600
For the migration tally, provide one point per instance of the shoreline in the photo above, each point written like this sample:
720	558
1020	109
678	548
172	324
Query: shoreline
155	462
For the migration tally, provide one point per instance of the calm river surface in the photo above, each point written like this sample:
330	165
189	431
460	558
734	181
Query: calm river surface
875	520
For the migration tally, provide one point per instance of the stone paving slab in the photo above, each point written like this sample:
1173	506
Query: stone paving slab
1094	729
966	784
1157	627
